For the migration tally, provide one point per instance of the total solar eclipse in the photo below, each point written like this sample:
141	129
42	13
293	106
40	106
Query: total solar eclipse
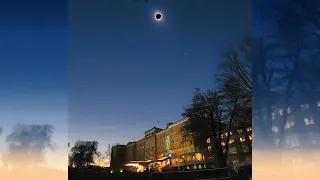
158	16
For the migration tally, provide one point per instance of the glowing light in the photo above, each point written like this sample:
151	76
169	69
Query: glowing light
288	125
132	164
275	129
281	112
158	16
311	121
306	121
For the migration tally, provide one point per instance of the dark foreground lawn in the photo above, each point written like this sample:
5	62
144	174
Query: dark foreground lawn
108	176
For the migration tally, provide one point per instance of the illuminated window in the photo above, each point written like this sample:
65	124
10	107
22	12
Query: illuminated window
311	121
223	143
275	129
239	130
288	125
209	148
250	137
281	112
242	139
249	129
308	122
208	140
226	134
288	110
231	141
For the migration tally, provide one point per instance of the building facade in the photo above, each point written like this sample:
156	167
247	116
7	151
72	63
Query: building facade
150	144
161	144
118	157
140	150
131	151
300	128
170	148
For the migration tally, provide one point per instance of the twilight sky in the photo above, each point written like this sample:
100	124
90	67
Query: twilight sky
33	69
128	71
117	72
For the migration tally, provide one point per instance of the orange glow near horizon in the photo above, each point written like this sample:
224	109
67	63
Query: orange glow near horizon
286	165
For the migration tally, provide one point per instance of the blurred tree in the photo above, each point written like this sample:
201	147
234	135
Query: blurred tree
27	144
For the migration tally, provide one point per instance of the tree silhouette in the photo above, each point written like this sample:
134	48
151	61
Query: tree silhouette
221	112
109	150
83	153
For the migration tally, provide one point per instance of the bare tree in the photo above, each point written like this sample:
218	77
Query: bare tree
109	150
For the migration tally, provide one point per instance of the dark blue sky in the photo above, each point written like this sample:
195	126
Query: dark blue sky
127	71
33	68
119	70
